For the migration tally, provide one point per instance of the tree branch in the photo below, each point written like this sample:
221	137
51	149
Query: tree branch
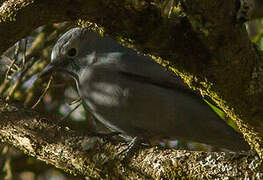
98	158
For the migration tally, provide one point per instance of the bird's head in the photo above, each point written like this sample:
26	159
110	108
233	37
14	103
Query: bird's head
73	51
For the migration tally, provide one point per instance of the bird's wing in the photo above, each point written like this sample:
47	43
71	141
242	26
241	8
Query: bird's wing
144	69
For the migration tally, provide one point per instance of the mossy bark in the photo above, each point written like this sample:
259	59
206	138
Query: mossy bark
98	158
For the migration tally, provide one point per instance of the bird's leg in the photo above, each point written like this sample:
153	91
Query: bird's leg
133	146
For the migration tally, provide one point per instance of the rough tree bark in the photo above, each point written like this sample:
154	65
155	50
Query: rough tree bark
98	158
207	47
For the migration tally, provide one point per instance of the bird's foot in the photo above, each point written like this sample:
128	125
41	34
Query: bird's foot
135	144
243	11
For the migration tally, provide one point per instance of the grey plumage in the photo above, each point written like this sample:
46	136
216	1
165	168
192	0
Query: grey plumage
131	94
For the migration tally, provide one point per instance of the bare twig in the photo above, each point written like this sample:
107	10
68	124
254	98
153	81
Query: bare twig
75	101
12	61
44	93
22	76
76	107
24	55
10	67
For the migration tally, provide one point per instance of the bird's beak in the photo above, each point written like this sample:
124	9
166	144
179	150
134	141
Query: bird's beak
46	71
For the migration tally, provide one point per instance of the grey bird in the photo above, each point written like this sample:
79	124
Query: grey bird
131	94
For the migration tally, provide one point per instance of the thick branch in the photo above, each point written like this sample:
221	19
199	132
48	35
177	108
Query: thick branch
97	158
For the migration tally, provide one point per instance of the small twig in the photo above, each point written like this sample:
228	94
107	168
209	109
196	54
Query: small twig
12	61
8	78
10	68
24	55
75	101
65	117
13	70
44	93
17	50
20	78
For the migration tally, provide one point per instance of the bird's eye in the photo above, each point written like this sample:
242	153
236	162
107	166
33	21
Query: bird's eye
72	52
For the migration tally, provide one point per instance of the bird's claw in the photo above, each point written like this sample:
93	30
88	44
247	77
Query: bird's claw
132	147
